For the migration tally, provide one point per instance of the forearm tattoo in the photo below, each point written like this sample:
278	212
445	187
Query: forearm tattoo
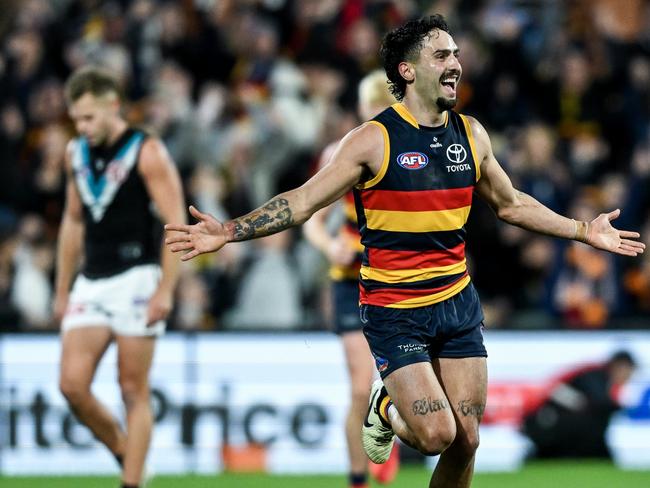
468	409
428	405
269	219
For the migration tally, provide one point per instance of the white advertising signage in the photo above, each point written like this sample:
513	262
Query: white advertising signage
278	401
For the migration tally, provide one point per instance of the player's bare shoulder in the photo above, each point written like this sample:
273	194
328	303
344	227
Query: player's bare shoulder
153	156
364	146
481	137
70	149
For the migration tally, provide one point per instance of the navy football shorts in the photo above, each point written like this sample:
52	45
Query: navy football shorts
345	295
402	336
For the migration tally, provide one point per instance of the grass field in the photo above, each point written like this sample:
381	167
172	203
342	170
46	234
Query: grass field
538	475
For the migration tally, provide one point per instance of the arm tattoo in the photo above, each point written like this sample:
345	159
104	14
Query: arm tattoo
269	219
468	409
427	405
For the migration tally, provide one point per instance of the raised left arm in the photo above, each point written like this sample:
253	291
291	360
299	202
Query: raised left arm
518	208
164	186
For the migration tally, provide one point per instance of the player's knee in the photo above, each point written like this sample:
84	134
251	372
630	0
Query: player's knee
74	391
133	391
434	439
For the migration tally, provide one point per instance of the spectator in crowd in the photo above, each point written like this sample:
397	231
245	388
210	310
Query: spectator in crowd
250	92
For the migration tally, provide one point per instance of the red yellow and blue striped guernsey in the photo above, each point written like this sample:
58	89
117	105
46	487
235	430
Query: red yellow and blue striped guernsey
411	215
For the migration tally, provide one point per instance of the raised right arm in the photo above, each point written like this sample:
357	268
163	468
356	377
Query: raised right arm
358	157
69	241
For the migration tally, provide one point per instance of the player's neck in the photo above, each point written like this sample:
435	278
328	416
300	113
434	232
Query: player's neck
116	131
423	113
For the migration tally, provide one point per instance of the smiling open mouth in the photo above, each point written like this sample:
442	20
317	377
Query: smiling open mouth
450	82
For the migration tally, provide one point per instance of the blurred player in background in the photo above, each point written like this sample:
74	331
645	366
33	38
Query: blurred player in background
414	169
572	420
344	252
117	175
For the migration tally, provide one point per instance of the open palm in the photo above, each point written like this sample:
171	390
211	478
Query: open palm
602	235
207	235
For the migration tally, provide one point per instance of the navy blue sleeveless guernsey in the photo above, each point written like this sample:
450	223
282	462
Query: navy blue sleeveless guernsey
412	214
121	229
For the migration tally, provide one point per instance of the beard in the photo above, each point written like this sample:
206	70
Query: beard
446	103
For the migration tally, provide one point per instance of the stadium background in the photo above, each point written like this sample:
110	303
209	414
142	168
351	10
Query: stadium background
247	93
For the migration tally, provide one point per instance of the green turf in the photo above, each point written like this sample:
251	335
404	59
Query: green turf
590	474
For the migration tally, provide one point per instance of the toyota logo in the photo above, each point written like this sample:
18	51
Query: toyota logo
456	153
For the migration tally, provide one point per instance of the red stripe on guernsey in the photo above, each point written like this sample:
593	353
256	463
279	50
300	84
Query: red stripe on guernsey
417	200
384	297
395	260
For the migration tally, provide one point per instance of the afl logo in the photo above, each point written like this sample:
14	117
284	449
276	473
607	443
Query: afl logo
412	160
456	153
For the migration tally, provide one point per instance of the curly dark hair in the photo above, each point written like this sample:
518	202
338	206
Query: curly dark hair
404	44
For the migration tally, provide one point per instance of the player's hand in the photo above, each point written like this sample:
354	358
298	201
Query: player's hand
60	305
602	235
207	235
160	305
339	252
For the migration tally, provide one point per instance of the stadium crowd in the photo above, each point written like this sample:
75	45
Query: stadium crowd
247	93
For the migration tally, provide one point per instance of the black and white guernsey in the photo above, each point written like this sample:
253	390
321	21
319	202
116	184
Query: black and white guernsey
121	228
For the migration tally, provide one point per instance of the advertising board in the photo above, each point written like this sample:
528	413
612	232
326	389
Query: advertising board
277	402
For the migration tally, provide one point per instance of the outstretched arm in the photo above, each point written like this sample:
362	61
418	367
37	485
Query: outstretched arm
360	152
522	210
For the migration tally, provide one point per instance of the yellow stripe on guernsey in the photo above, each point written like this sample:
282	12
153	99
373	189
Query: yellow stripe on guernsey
472	147
384	164
411	275
404	112
429	221
435	298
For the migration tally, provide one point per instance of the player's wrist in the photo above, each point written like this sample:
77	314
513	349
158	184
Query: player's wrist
229	231
581	233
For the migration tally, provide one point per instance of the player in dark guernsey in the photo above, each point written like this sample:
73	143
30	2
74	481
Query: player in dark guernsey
414	168
120	182
344	251
412	214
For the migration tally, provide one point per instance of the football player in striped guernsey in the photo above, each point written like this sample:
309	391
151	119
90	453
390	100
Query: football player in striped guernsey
414	169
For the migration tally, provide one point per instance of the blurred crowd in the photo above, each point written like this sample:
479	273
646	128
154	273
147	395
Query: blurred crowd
247	93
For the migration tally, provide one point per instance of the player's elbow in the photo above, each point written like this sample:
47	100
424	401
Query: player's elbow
509	212
506	213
